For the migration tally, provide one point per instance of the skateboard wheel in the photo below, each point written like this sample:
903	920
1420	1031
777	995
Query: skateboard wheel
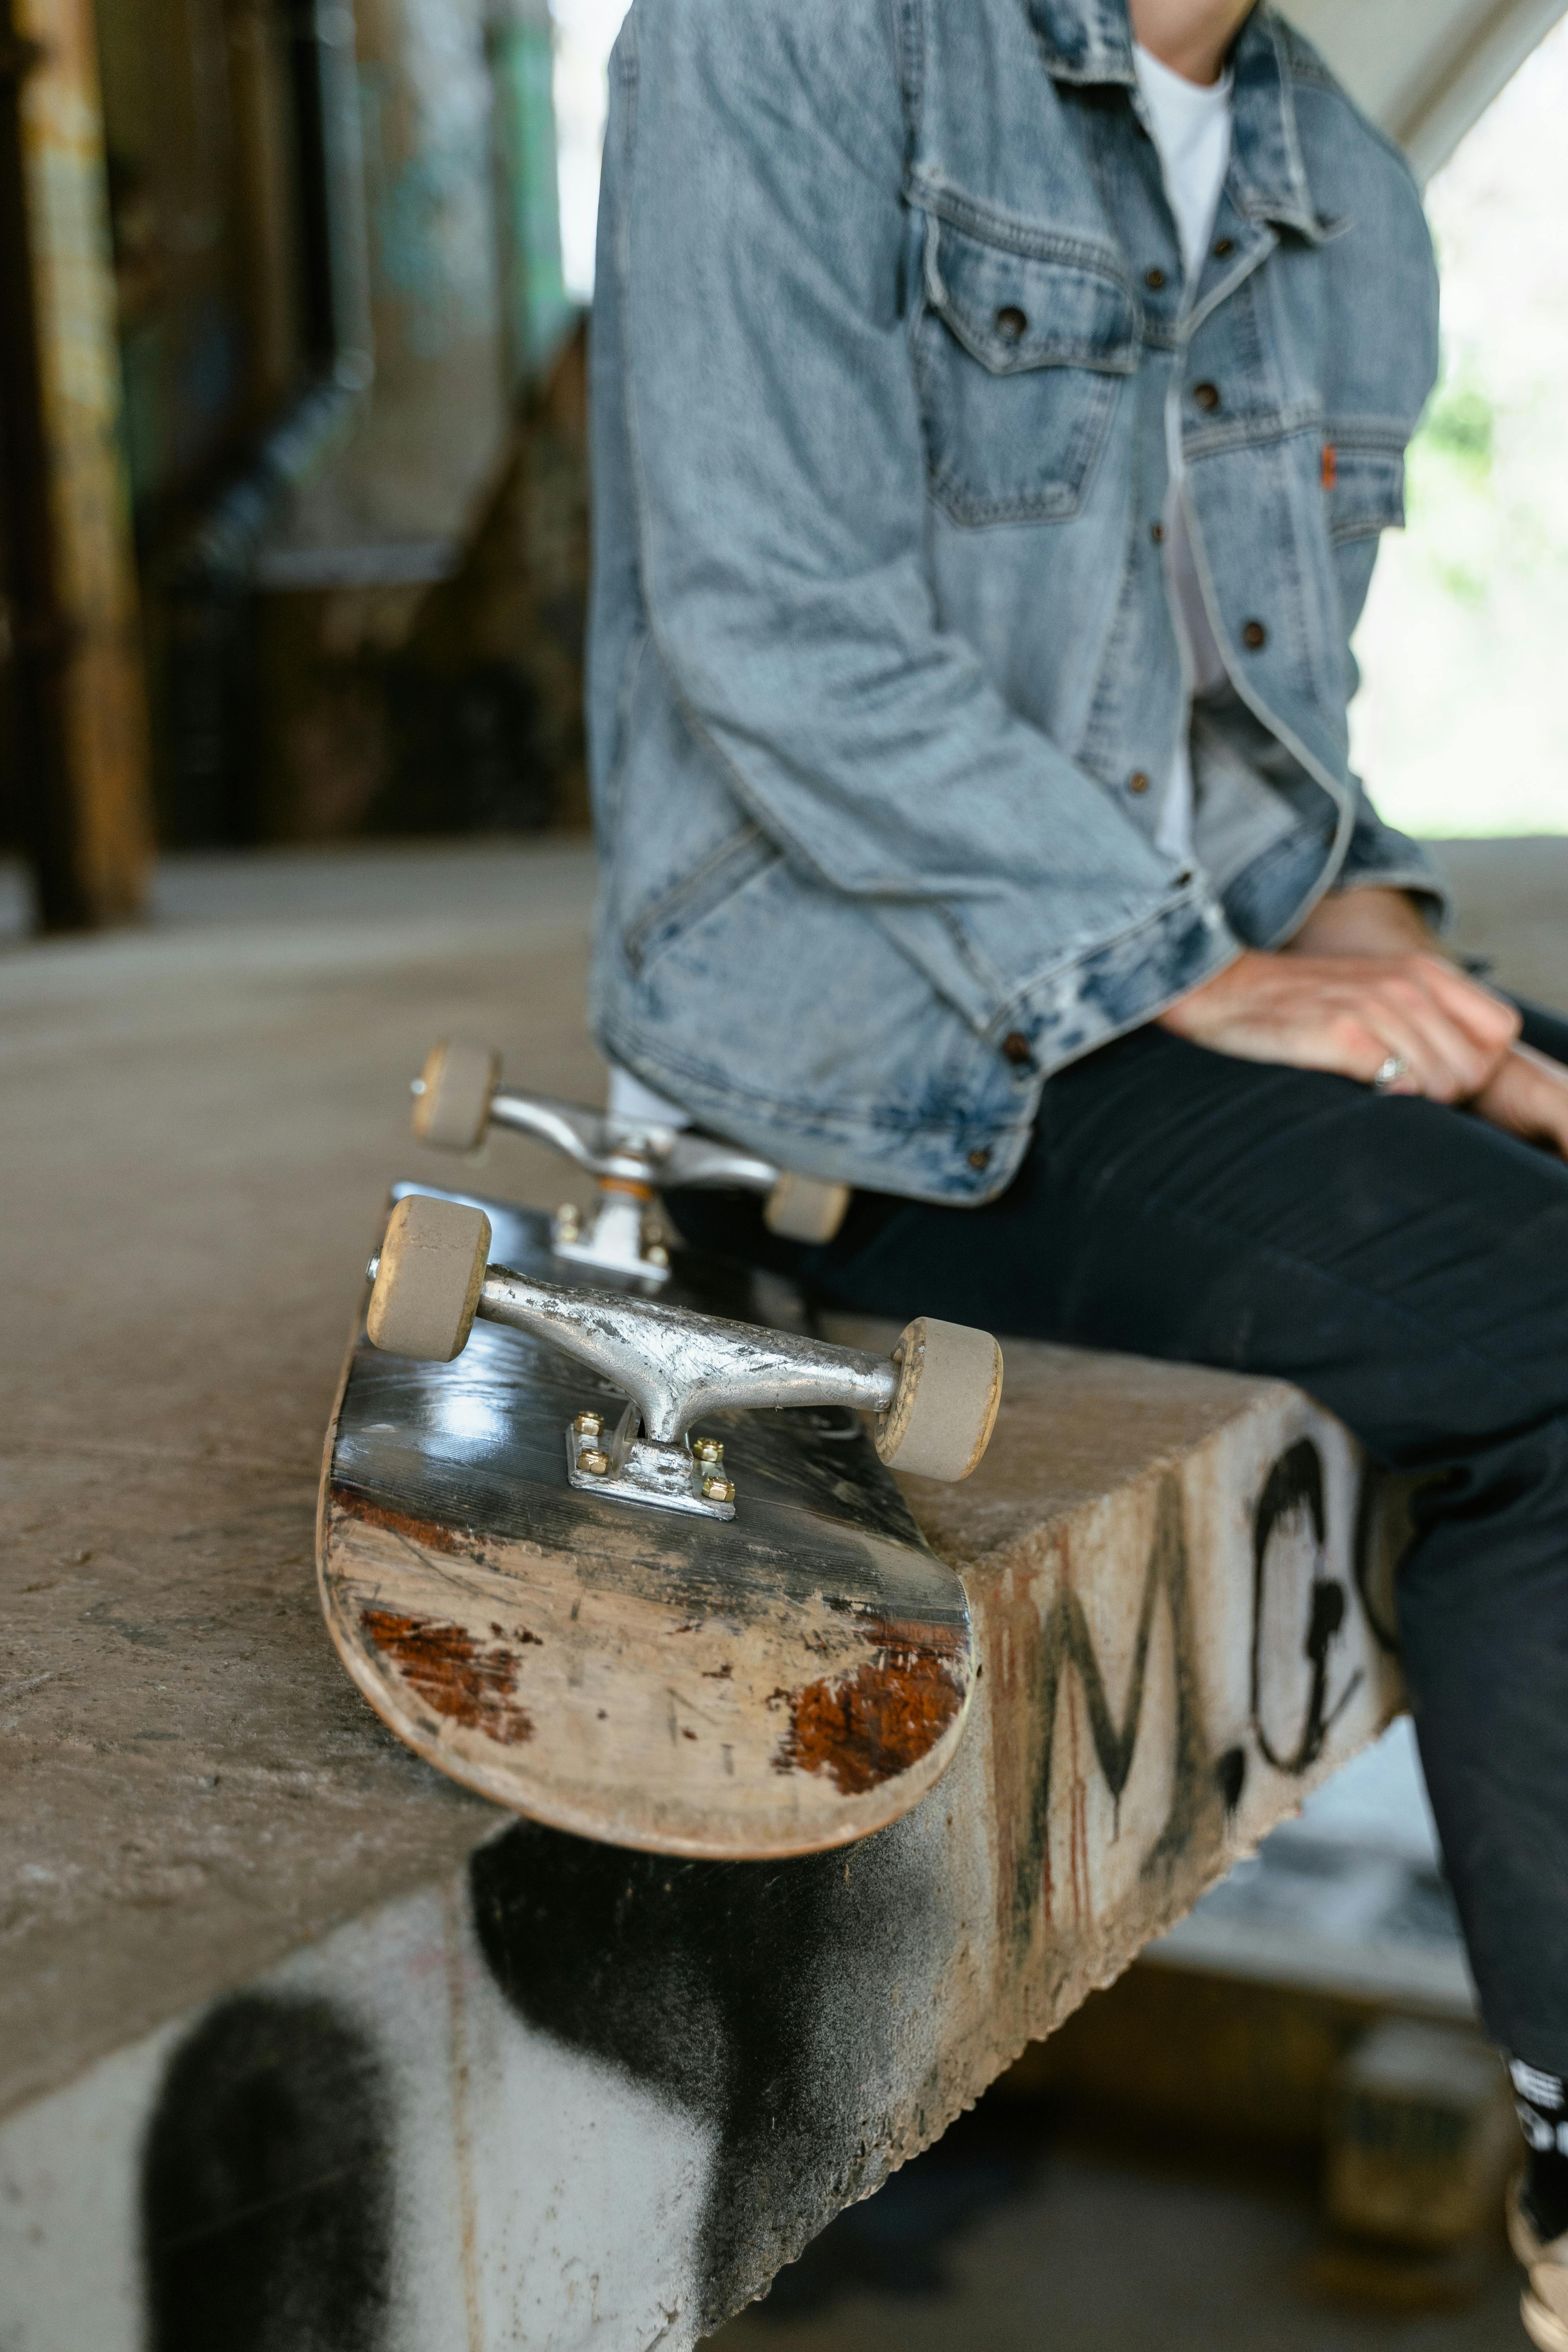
950	1385
801	1209
428	1284
454	1106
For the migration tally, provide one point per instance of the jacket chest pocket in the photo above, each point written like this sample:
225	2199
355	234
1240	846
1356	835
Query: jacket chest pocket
1020	358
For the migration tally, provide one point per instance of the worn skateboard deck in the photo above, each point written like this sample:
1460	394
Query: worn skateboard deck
785	1681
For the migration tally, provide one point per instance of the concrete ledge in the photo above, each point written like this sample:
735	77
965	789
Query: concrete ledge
556	2088
563	2061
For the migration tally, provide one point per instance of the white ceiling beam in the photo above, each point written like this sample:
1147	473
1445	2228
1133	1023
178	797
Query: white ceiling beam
1425	70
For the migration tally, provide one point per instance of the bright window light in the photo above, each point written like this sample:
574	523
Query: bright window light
1458	727
584	35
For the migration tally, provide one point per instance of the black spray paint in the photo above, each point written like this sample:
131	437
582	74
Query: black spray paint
266	2185
759	1995
1293	1486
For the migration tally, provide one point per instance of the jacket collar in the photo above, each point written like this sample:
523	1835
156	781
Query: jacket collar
1091	41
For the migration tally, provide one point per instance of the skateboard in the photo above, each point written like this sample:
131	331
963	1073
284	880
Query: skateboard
626	1553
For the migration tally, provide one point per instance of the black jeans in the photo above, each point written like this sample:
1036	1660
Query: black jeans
1407	1266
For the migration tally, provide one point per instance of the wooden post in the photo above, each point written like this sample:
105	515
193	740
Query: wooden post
84	799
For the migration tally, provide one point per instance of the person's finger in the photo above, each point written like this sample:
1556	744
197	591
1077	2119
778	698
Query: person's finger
1355	1044
1488	1018
1450	1065
1405	1025
1529	1097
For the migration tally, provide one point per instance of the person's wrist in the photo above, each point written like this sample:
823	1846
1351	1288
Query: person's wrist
1370	921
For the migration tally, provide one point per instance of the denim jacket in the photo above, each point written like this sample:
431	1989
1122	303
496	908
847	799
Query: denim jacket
882	660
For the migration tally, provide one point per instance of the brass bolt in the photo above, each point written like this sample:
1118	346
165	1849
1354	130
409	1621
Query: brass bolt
593	1462
708	1449
657	1254
719	1490
568	1221
589	1424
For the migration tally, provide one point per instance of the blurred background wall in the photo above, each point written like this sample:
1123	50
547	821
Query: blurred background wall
292	479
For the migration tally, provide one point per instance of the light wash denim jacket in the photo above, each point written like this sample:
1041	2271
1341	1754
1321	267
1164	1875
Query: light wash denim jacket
889	301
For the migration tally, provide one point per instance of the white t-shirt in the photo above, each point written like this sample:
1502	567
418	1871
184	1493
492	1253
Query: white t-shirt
631	1100
1191	125
1191	131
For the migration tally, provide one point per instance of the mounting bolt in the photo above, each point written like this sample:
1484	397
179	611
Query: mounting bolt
657	1254
596	1464
719	1490
373	1268
568	1221
708	1449
589	1424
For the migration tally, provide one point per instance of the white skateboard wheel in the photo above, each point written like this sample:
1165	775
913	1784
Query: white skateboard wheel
427	1283
950	1385
453	1106
802	1210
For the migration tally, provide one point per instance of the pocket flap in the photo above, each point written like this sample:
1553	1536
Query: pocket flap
1366	489
1015	311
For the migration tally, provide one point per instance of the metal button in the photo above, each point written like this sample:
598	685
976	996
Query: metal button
980	1157
1206	395
1154	279
1254	635
1015	1047
1137	781
1225	245
1157	532
1012	323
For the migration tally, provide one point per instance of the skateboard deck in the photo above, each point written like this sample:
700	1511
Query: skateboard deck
782	1680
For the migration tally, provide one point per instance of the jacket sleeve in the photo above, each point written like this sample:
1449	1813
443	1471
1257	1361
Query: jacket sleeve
1379	857
755	221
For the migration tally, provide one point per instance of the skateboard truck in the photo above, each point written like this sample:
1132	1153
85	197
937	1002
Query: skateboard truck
459	1096
935	1397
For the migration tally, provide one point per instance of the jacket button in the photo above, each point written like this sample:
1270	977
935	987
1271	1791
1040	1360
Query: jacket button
980	1157
1153	280
1157	532
1206	395
1137	781
1225	245
1015	1047
1254	635
1012	324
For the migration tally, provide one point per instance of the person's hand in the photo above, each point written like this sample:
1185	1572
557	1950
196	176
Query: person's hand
1353	1014
1529	1097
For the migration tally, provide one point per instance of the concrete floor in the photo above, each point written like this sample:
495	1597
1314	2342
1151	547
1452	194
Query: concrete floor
239	1068
1060	2248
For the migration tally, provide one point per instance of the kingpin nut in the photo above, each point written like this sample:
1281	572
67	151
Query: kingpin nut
708	1449
589	1424
719	1490
592	1460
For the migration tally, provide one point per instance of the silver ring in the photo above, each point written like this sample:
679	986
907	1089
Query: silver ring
1389	1073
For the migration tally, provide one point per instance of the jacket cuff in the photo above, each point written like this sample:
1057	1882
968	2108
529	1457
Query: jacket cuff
1101	993
1378	858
